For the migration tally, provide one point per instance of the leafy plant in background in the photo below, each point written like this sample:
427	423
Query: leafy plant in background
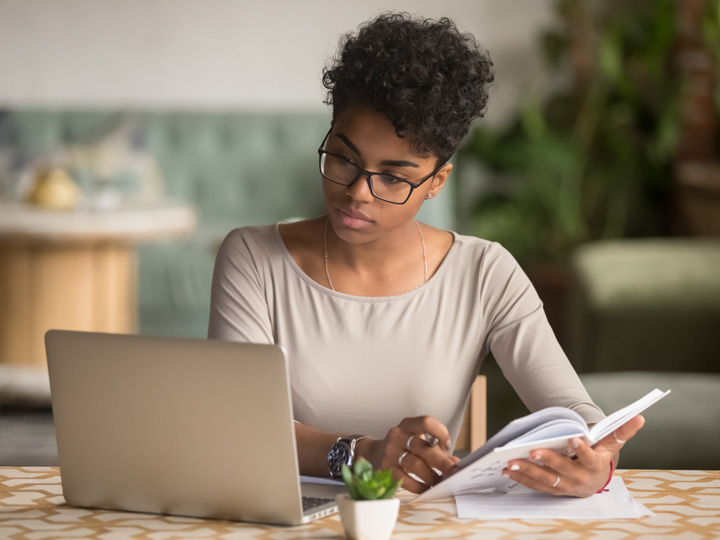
366	484
595	160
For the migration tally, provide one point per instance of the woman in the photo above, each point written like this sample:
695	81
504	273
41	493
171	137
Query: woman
386	320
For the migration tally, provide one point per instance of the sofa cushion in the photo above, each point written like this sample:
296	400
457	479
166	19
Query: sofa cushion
646	305
682	431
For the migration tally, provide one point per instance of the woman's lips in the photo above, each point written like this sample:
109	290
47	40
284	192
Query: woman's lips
353	221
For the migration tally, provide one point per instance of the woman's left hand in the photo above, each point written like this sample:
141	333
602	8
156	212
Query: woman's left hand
579	477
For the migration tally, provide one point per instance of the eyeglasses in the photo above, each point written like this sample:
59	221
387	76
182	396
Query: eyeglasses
385	187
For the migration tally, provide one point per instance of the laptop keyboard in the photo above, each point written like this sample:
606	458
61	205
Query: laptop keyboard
312	502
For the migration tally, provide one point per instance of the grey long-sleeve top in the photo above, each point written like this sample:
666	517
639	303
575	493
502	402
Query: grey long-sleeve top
361	365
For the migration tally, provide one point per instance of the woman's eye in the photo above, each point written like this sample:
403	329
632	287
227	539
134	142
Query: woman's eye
347	162
344	159
387	179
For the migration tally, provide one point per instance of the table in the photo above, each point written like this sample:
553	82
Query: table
686	506
73	270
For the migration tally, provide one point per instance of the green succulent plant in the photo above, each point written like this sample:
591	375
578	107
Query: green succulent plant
366	484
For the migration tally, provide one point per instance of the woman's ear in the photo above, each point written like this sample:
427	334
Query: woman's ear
438	181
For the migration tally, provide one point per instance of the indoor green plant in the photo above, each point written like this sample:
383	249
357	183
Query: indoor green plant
368	510
593	159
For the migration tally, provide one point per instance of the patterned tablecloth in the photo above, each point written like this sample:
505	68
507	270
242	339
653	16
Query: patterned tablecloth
686	506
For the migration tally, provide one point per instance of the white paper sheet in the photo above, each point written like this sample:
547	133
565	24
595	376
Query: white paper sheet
524	503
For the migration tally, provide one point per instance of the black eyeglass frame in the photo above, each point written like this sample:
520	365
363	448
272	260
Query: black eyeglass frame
369	174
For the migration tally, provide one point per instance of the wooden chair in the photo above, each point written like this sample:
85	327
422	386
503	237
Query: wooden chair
473	430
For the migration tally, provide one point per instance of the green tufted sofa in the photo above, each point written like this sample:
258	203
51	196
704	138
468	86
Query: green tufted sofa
645	313
237	168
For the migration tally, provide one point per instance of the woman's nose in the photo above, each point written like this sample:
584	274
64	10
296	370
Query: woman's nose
360	189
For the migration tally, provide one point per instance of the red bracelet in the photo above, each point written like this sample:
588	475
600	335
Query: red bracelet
612	470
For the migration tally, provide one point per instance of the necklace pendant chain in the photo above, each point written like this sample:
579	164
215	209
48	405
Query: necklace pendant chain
422	241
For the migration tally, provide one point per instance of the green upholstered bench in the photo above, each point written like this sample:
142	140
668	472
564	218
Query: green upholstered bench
646	305
646	314
682	431
237	168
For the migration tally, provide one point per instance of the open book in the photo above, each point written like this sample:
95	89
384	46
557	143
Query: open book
548	428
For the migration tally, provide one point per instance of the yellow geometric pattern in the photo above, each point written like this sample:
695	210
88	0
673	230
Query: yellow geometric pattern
686	506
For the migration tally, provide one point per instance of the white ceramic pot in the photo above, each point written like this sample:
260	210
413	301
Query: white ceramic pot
368	520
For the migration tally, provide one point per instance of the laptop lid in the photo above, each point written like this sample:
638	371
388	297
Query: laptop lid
174	426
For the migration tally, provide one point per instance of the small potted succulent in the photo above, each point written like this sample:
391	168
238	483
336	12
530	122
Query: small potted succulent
368	510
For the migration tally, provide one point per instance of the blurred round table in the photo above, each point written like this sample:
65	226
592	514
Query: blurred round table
74	270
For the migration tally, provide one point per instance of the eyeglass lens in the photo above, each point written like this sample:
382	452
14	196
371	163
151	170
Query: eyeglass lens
383	186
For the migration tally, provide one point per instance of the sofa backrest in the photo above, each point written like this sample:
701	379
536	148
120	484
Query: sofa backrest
237	168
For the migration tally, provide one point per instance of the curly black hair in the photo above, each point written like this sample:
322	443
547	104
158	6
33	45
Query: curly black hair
427	77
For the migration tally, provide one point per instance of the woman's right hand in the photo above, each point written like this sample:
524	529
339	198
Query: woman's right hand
419	458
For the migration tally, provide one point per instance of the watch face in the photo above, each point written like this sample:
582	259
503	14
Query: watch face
339	454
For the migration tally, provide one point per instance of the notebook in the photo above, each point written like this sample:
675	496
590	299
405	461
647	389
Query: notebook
180	426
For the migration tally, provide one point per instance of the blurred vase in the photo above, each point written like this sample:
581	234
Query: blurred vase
53	189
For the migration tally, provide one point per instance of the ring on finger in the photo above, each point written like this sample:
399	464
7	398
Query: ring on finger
407	444
431	440
618	439
401	458
557	481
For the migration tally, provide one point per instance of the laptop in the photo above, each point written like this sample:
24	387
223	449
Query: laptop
180	426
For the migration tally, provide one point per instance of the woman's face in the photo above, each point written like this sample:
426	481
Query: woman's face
368	139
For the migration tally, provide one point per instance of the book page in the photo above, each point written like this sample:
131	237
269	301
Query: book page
522	426
606	426
550	430
525	503
486	472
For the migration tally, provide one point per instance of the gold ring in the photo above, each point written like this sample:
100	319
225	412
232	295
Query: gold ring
557	481
618	439
401	458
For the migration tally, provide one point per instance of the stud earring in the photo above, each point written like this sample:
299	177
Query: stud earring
428	196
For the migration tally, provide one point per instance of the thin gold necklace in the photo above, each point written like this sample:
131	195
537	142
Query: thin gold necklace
422	241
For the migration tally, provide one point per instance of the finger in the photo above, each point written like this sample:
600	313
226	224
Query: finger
554	461
415	465
541	474
408	482
628	430
586	456
528	475
419	425
433	456
616	440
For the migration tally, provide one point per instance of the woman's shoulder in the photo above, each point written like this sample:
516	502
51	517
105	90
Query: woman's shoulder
478	248
481	258
272	242
248	236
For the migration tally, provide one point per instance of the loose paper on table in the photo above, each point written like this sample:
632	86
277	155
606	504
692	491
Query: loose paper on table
524	503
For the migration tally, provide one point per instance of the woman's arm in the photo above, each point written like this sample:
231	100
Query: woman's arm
420	459
313	445
523	343
238	306
530	357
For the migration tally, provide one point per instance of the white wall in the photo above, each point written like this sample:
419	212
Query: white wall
226	53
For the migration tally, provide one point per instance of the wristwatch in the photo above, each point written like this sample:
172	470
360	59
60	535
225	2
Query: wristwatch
342	452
